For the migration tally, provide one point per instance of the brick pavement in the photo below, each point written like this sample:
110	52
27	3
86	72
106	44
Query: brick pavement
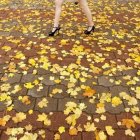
60	68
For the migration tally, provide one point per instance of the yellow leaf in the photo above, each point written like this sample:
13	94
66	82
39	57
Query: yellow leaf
102	135
43	103
136	119
56	137
19	117
6	48
28	85
89	127
44	118
29	136
28	127
71	119
63	42
36	82
61	129
30	112
116	101
32	62
110	130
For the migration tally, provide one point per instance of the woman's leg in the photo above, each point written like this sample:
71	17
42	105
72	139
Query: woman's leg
58	8
86	10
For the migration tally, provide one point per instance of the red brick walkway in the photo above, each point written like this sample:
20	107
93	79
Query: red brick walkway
40	75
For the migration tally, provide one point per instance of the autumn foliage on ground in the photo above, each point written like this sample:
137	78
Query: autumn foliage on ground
64	86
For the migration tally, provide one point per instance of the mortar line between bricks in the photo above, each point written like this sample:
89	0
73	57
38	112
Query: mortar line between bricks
57	104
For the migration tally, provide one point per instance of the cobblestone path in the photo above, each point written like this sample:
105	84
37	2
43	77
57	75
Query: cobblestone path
71	86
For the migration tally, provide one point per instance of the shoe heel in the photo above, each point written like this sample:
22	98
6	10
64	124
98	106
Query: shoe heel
58	30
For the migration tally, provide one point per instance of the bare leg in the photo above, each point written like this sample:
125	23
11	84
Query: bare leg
86	10
58	8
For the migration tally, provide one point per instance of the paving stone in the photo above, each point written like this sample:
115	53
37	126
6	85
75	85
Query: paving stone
21	107
4	59
2	68
51	107
123	81
110	120
3	136
114	110
47	80
1	76
137	135
117	73
88	136
131	72
99	90
30	53
59	95
48	135
10	123
2	106
22	92
16	33
129	106
89	82
66	81
66	136
82	120
62	103
1	114
103	84
104	81
120	134
56	122
31	119
28	78
91	107
15	79
42	71
3	33
115	90
80	96
35	93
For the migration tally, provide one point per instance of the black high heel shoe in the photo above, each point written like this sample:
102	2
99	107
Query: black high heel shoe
88	32
56	30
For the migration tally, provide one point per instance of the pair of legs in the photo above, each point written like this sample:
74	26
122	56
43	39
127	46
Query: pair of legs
83	5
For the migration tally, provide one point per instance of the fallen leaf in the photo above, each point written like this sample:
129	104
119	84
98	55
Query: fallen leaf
128	123
89	92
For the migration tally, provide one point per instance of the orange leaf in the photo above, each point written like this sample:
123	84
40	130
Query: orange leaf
2	122
97	135
26	100
73	131
128	123
89	92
